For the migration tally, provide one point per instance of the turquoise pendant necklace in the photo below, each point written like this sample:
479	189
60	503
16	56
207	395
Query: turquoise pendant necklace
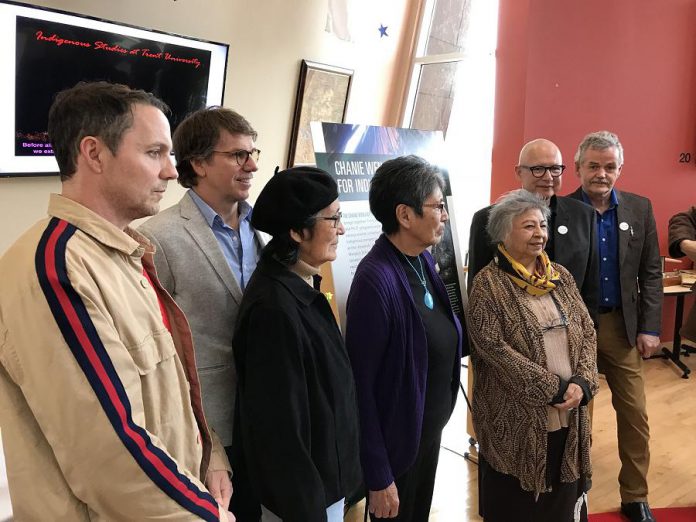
427	298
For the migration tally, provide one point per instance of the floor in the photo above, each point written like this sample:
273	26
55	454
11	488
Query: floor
672	474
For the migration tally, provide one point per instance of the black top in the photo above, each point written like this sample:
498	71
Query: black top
296	409
441	335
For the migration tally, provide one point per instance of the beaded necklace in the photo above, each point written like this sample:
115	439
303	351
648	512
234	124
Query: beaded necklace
427	298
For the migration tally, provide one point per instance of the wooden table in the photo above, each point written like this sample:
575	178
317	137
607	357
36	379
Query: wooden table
674	354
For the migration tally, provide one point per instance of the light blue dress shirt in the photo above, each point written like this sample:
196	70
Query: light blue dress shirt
240	248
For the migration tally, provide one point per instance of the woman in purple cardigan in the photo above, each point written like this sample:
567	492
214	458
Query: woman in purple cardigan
404	342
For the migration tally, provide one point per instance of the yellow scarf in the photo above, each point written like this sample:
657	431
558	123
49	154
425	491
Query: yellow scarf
542	281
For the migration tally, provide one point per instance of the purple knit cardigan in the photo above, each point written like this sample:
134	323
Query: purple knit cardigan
387	345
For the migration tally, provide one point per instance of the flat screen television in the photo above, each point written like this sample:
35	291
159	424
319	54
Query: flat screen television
46	51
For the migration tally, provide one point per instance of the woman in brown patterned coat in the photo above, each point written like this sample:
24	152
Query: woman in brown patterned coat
534	357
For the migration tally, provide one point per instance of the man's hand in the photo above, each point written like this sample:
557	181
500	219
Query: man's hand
647	344
572	397
385	502
688	246
220	486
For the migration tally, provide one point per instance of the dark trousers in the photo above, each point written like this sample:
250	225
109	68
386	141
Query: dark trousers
243	504
505	500
416	485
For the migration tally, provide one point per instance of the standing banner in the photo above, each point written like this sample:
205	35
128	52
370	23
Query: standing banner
352	154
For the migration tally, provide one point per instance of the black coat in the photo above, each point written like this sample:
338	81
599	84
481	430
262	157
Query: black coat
572	243
296	412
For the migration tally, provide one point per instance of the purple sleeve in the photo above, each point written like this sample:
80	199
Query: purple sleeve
367	336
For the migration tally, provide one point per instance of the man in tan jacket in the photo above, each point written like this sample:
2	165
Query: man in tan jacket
100	404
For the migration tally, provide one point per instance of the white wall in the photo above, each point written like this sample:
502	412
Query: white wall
267	38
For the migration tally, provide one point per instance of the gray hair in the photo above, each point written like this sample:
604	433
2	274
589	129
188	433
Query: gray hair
599	140
508	207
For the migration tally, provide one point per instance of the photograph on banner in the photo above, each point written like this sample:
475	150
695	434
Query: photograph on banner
352	154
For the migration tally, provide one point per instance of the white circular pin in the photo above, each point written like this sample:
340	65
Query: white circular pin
623	226
563	229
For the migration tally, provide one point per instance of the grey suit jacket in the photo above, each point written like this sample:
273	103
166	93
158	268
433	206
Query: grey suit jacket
193	269
639	264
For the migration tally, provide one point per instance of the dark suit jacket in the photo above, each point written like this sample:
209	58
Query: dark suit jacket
639	264
574	246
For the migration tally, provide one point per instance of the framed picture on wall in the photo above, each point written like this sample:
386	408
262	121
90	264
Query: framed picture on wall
322	95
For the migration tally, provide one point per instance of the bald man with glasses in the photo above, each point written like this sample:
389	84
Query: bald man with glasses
206	253
571	228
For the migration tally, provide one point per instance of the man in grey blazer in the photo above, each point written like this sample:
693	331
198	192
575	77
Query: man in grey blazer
630	310
571	227
206	251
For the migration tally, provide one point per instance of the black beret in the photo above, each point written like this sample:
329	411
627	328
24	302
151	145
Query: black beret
292	196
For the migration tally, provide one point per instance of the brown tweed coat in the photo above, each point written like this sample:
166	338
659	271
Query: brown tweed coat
512	386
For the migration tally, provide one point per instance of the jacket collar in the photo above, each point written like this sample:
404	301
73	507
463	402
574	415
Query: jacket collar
128	241
304	293
199	229
210	215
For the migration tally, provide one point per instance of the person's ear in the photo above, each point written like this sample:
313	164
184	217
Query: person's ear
90	150
404	215
198	166
296	236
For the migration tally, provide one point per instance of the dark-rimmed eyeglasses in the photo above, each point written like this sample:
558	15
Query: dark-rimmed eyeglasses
437	206
242	156
539	170
336	218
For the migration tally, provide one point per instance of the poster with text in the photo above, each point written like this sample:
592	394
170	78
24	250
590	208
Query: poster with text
352	154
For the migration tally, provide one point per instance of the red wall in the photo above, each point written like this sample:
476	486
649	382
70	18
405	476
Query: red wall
568	67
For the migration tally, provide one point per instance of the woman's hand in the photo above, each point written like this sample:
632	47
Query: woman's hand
572	397
385	502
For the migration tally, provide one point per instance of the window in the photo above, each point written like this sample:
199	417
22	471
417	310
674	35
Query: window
452	89
441	49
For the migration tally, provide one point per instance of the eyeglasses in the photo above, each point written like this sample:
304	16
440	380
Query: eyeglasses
335	218
242	156
539	170
560	324
437	206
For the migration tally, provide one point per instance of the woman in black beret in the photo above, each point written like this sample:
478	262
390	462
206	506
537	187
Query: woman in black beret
296	417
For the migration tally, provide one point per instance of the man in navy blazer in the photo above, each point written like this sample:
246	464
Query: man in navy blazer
630	306
571	227
206	251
